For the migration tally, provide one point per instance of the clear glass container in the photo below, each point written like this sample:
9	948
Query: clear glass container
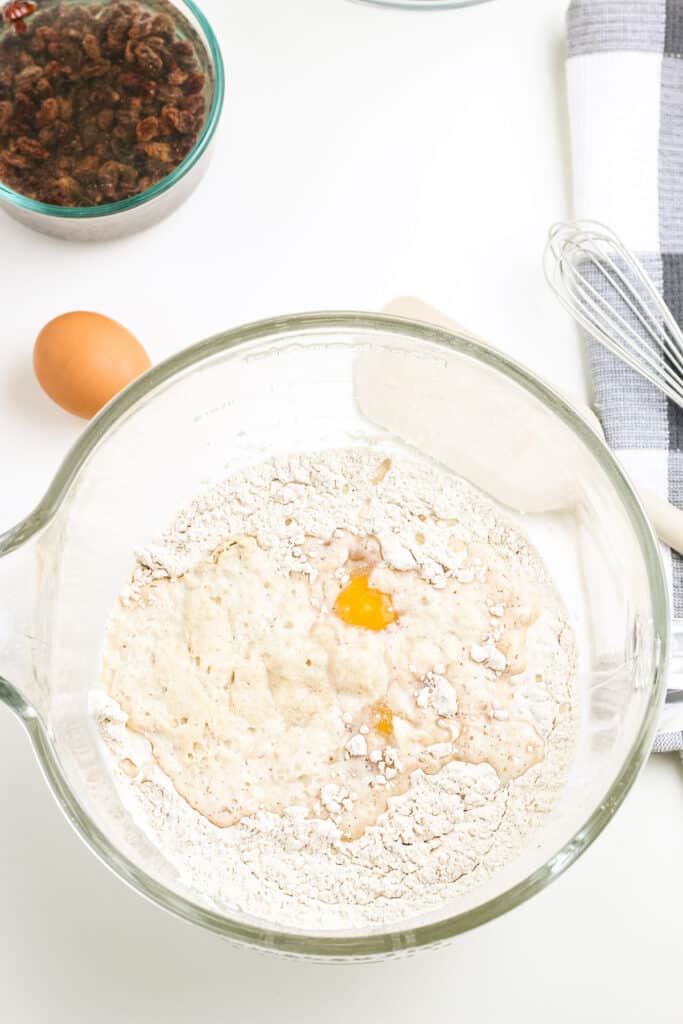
114	220
311	382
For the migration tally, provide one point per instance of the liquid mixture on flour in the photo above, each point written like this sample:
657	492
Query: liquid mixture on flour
340	690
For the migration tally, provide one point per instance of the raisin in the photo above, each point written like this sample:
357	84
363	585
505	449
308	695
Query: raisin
148	59
65	191
128	179
44	87
48	136
6	109
195	83
182	121
195	104
91	47
16	160
117	32
89	132
87	168
62	131
160	151
162	25
169	93
108	178
28	76
148	129
96	69
49	111
141	27
46	34
149	89
177	76
51	70
105	119
31	148
66	108
184	54
37	45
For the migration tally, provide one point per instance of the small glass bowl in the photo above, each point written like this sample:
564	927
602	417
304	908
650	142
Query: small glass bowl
114	220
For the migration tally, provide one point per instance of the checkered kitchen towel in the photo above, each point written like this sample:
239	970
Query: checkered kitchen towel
625	90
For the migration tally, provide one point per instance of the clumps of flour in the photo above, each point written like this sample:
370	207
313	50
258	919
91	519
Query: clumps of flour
259	499
451	830
437	693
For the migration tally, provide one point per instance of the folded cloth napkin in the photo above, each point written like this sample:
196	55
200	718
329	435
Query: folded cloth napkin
625	92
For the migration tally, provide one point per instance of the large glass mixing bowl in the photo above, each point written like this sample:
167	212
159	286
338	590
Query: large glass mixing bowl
311	382
144	209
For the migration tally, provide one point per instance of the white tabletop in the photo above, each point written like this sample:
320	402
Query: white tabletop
363	154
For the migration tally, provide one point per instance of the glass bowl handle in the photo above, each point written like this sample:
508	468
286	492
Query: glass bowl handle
19	687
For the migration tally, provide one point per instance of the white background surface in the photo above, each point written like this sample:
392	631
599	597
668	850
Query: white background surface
363	153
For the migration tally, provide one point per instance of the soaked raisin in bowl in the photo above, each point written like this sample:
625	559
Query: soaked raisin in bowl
104	107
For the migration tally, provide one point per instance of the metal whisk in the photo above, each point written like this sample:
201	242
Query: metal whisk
609	293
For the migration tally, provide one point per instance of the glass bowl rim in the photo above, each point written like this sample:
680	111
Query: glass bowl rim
372	945
9	195
423	5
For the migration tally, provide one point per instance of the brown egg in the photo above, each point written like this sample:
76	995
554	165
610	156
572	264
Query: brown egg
83	359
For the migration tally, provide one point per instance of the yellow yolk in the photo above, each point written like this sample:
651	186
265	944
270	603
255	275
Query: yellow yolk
384	719
361	605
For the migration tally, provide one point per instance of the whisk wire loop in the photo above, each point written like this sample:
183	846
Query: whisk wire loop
610	294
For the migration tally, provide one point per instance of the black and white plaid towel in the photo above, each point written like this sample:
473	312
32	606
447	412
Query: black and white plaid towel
625	88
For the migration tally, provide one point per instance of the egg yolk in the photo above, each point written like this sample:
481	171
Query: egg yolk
384	719
359	604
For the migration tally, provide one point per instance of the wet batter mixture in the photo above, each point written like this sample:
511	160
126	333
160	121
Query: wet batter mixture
340	690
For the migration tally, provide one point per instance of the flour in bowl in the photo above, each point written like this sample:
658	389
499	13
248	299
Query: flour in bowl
338	692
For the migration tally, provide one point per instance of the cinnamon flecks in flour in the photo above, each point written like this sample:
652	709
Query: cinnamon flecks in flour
336	678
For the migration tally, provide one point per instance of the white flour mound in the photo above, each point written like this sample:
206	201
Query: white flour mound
449	831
